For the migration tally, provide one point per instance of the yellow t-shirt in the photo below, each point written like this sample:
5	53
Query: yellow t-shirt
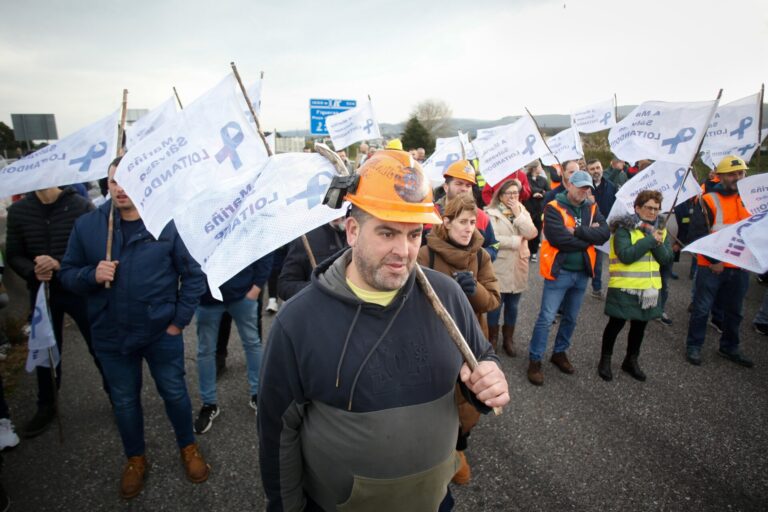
380	298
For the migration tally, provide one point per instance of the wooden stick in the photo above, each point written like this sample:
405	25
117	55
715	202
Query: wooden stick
760	125
615	107
177	98
111	220
312	260
250	107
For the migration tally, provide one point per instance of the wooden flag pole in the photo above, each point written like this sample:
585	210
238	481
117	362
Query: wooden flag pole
111	220
250	107
760	124
177	98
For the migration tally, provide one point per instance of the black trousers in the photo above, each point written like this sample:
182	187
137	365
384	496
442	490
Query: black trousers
614	327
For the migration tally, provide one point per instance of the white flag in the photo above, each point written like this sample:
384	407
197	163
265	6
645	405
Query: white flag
741	244
41	336
754	193
504	149
83	156
469	149
594	118
150	122
657	130
665	177
208	141
565	145
353	125
236	222
734	130
447	151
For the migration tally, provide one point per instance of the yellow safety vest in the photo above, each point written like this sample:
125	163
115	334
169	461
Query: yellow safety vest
640	275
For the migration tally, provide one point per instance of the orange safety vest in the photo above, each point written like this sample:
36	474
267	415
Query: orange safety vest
726	210
548	252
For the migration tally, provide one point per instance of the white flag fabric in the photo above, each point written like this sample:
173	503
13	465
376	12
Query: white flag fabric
209	141
504	149
353	125
742	244
754	193
83	156
734	130
657	130
594	118
150	122
236	222
469	149
565	145
665	177
41	336
447	151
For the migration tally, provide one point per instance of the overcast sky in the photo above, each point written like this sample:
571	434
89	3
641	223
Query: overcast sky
486	59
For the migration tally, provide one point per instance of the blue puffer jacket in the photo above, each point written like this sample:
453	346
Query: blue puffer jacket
145	297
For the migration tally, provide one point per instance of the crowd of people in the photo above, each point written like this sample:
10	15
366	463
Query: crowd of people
358	352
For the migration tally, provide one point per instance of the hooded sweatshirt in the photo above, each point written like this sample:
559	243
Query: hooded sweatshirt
356	406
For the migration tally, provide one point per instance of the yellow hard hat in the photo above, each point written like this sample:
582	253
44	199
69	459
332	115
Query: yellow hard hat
731	163
395	144
392	187
462	170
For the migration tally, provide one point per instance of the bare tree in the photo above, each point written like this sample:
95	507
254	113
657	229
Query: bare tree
435	116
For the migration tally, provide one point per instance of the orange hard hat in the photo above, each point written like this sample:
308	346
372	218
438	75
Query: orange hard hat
462	170
393	187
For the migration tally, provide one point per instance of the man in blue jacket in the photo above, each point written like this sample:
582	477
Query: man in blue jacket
139	317
241	301
605	196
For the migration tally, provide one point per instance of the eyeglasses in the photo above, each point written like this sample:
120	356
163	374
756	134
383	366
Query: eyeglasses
515	193
651	209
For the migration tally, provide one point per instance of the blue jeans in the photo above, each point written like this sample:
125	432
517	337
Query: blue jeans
726	289
597	281
165	358
567	290
509	301
245	313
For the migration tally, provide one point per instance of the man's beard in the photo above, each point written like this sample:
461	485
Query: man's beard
376	276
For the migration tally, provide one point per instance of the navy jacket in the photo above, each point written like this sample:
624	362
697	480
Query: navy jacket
145	297
605	196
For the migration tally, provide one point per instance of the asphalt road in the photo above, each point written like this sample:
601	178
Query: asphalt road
687	439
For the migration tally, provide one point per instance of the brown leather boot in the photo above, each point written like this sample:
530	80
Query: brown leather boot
535	375
464	473
560	359
132	481
194	464
508	334
493	336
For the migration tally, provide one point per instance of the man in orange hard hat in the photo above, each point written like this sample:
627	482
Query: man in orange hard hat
357	398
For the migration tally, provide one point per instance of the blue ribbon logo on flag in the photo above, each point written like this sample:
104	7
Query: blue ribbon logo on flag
315	190
449	159
529	142
94	152
230	144
683	135
605	118
37	317
368	126
743	149
679	175
743	125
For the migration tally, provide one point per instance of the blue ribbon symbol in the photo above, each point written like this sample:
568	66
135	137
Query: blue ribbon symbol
529	142
230	144
37	317
94	152
679	175
683	135
743	149
315	190
449	159
605	118
743	125
368	126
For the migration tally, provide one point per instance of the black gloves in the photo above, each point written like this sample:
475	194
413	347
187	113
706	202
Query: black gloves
467	282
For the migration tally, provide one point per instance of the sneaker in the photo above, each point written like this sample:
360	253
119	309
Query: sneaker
194	464
254	401
664	319
132	480
693	356
673	275
534	257
597	294
272	305
39	422
736	357
761	329
26	330
204	420
716	325
8	437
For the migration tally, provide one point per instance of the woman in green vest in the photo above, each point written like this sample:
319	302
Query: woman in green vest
639	246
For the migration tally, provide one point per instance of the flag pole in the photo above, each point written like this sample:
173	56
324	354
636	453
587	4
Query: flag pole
52	364
693	159
760	124
119	152
250	107
177	98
